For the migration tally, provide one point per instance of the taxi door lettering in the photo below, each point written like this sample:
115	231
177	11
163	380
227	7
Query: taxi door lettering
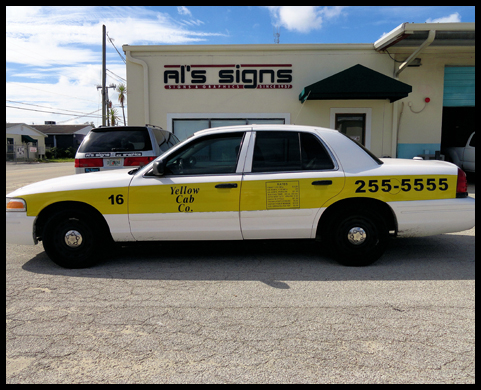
184	197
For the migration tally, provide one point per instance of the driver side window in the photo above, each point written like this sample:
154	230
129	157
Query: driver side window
213	154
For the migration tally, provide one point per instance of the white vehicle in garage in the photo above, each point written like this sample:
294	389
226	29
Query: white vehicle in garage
463	156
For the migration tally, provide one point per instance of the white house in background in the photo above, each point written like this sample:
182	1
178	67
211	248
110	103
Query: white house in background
63	136
24	142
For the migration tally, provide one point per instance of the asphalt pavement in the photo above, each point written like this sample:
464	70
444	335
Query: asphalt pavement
241	312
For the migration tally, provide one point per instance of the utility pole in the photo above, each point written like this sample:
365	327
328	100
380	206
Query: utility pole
104	75
103	87
106	103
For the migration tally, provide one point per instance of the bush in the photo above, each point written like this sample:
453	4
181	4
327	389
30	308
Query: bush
70	152
60	152
51	153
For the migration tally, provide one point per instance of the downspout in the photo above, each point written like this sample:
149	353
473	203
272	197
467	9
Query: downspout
426	43
146	85
404	65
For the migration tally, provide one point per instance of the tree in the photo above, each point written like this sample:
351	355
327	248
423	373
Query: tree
113	116
122	90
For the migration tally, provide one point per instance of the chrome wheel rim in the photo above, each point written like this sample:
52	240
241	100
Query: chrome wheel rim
357	235
73	239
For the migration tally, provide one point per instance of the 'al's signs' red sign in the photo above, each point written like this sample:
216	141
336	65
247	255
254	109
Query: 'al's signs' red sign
230	76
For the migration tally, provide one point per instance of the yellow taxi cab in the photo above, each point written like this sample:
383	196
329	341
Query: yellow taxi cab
246	183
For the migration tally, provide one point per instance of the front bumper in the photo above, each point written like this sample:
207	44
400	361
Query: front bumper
19	228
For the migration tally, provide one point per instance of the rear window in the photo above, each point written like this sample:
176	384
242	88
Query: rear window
372	155
116	140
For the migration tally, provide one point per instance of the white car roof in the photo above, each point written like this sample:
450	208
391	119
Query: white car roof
350	156
268	127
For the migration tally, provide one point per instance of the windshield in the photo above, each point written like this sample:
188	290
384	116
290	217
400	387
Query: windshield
116	140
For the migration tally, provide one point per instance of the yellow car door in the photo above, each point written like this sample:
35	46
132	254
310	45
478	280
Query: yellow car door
289	175
196	197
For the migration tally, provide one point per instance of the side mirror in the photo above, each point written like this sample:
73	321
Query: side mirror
158	168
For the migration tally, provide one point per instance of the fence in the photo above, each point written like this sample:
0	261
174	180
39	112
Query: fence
23	152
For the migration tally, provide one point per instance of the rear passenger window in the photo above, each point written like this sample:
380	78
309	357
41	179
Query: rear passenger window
313	154
276	151
289	151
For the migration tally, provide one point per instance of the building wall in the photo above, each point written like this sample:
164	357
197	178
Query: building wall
310	63
421	131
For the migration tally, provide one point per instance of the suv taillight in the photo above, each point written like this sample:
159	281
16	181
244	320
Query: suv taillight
462	185
137	161
89	162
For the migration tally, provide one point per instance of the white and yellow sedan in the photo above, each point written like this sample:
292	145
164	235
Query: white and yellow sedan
246	183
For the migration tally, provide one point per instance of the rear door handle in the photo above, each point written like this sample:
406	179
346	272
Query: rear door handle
322	183
226	185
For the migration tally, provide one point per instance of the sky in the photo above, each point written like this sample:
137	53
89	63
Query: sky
54	54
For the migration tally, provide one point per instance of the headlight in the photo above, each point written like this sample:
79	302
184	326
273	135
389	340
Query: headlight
15	204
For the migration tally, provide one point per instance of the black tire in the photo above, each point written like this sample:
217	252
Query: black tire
79	249
358	238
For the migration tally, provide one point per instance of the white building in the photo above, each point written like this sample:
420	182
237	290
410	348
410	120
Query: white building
402	96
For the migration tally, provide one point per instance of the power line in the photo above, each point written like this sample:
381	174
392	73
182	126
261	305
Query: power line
80	116
116	75
37	105
58	113
43	90
111	41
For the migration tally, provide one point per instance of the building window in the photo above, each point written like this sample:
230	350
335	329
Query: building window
10	145
185	127
352	125
353	122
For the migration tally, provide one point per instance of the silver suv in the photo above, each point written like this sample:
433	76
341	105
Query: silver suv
107	148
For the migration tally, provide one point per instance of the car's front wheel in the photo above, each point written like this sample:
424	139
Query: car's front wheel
73	239
358	238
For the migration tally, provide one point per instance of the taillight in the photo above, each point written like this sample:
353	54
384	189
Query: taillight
88	162
462	185
137	161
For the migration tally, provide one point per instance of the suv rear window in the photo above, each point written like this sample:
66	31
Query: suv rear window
116	140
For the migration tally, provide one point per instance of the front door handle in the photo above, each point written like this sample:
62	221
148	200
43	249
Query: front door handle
322	183
226	185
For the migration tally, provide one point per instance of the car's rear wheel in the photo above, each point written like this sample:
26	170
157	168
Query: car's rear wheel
358	238
73	239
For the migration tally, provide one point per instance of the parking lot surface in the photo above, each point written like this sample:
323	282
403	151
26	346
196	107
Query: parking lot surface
241	312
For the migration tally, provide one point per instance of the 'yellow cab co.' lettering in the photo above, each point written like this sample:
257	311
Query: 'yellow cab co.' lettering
184	197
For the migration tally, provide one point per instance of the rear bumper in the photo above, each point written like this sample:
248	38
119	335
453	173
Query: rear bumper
430	217
19	228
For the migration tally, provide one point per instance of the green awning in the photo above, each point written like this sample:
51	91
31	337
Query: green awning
27	139
357	82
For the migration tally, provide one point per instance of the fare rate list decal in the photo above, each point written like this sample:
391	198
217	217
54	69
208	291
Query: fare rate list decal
282	195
